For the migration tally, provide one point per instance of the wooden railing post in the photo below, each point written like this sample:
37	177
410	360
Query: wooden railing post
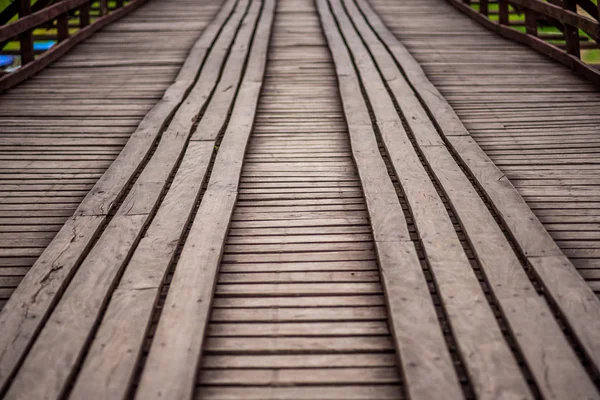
483	7
531	22
26	38
503	16
571	32
84	15
62	26
103	8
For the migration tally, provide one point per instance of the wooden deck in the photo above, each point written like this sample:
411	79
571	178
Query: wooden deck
297	214
535	119
61	130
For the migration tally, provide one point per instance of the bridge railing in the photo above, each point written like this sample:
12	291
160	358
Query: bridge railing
561	29
67	22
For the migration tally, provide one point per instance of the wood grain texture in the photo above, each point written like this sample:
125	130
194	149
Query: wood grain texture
48	278
111	360
177	345
303	215
566	289
494	372
289	292
412	313
538	128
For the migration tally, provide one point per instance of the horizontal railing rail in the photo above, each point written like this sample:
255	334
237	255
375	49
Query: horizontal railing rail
565	30
65	23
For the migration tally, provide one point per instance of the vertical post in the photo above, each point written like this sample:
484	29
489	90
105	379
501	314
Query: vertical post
84	15
26	38
483	7
62	25
503	17
120	3
571	32
103	8
531	22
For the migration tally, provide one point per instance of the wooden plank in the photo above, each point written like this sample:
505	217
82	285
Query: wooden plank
119	339
313	301
350	392
291	314
495	256
298	289
470	317
141	202
336	301
294	329
572	295
85	294
42	287
512	288
576	301
405	285
297	361
284	345
299	376
197	266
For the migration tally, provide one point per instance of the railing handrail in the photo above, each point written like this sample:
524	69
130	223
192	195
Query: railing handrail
12	10
561	13
23	28
38	18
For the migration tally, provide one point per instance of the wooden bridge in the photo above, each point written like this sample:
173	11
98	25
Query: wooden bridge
300	199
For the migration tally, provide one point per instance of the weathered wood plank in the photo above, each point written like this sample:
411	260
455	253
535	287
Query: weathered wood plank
299	376
365	392
577	302
119	340
470	317
403	279
40	291
197	266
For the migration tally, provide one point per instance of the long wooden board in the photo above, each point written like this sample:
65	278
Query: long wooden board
412	313
31	304
280	298
450	266
564	286
506	276
177	345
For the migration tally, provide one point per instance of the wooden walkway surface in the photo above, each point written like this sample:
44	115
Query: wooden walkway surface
61	130
302	215
535	119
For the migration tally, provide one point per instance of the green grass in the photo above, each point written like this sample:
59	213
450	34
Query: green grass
4	4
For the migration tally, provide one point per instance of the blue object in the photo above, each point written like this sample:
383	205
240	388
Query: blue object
42	46
6	61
